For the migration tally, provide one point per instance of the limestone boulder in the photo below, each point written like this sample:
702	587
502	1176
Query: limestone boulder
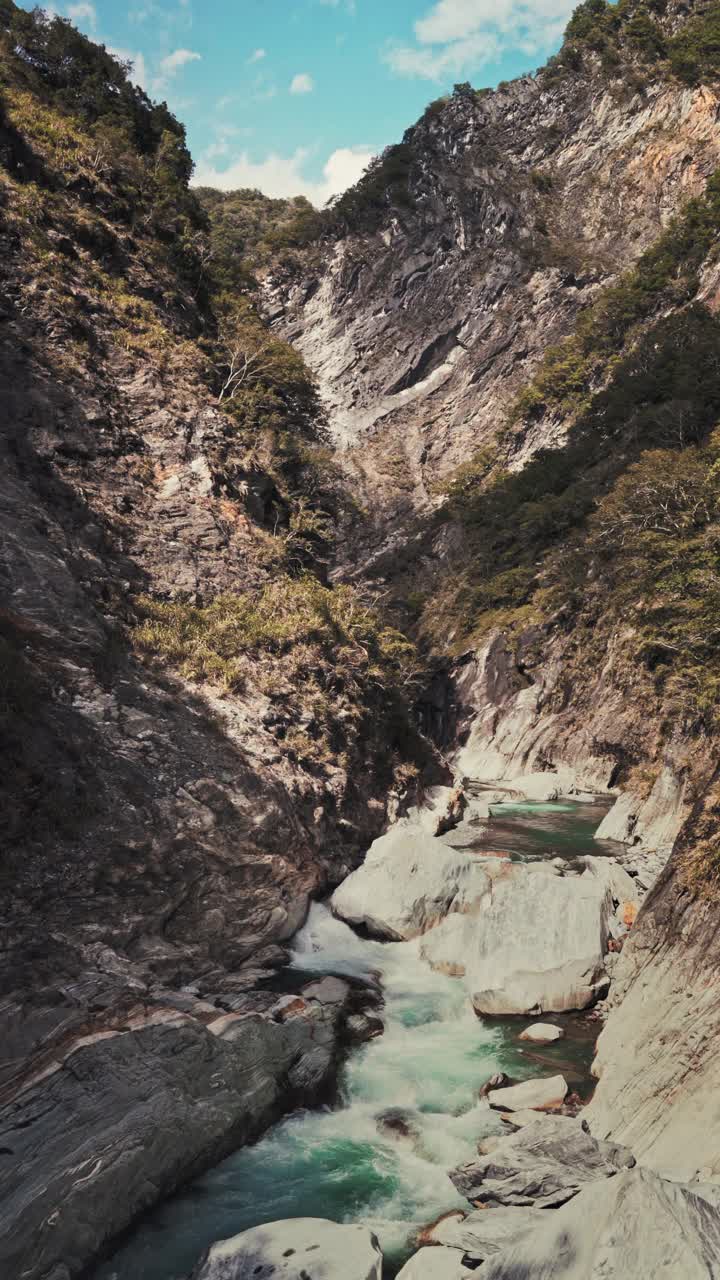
541	1166
484	1233
542	1033
435	1264
408	883
294	1249
633	1225
547	1093
533	943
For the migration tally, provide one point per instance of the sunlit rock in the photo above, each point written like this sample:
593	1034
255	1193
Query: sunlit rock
632	1225
295	1249
533	944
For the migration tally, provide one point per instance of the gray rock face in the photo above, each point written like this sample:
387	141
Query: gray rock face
533	943
448	303
505	731
296	1249
150	1102
542	1166
486	1232
435	1264
408	882
633	1225
547	1093
657	1066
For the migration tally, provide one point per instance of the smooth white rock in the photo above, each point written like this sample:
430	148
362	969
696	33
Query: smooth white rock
622	886
486	1231
534	943
517	1119
408	882
295	1249
542	1033
435	1263
542	1094
634	1226
441	809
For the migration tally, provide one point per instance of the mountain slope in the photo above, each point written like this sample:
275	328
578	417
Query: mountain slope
198	731
441	282
509	447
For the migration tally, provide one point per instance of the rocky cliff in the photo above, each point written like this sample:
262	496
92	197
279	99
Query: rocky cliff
497	436
513	319
198	732
427	306
656	1058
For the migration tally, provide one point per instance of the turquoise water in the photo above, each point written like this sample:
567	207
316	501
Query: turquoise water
336	1163
562	829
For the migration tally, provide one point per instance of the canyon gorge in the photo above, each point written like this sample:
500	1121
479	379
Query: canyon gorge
359	645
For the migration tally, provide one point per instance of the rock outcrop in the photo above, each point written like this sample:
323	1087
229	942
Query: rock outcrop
634	1224
435	1264
534	943
152	1097
408	882
542	1166
422	328
299	1249
658	1072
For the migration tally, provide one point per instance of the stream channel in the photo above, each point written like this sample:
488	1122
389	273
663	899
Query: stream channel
430	1061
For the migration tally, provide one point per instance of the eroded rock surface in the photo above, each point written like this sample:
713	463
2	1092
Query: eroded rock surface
534	943
148	1101
634	1224
408	882
542	1166
297	1249
658	1072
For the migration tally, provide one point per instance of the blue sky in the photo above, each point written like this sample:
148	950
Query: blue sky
294	96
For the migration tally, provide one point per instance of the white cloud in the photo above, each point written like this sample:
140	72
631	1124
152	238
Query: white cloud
171	64
302	83
457	36
278	175
139	73
83	12
168	68
257	55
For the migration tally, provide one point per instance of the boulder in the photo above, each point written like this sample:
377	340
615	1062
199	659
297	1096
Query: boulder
542	1033
518	1119
294	1249
533	943
408	882
398	1123
546	1093
624	890
633	1225
542	1165
496	1081
485	1232
441	810
435	1264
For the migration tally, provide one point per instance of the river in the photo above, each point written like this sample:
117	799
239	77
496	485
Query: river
434	1054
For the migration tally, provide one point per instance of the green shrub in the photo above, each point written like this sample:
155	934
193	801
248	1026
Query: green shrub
694	52
665	274
212	641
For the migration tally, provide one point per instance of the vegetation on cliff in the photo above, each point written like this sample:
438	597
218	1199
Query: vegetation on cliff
618	529
122	271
